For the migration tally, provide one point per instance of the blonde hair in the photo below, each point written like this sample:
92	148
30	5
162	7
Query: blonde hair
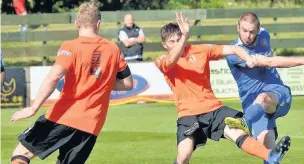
88	14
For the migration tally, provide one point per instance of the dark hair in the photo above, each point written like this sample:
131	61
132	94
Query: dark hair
169	30
250	17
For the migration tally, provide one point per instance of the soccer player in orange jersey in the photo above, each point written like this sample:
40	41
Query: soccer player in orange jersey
92	67
200	114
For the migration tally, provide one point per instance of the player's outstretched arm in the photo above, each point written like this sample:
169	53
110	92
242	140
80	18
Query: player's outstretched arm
175	53
277	61
49	84
240	52
46	89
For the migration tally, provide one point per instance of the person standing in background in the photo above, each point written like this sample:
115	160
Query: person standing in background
131	39
19	6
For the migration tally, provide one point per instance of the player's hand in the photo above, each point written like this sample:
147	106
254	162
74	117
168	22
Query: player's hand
251	62
258	59
24	113
255	59
183	23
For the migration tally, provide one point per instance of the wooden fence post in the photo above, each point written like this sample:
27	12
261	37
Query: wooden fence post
28	86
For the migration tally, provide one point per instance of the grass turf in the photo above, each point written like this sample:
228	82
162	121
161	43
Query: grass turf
145	134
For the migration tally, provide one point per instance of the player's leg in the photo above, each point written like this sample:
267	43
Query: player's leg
263	130
42	139
264	103
246	143
219	130
255	148
21	155
184	150
257	116
243	140
274	101
189	137
268	138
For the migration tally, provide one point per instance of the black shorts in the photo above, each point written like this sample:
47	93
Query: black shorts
44	137
211	125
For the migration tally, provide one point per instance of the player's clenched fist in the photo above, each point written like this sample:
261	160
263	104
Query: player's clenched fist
251	62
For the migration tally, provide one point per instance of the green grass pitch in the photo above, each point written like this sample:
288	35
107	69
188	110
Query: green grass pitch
145	134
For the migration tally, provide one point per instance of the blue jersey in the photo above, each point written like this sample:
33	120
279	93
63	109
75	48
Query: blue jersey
1	59
251	81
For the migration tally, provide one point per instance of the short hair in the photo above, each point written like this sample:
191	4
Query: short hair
88	14
250	17
169	30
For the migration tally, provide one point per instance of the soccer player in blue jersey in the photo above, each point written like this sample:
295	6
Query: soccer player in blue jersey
263	94
1	66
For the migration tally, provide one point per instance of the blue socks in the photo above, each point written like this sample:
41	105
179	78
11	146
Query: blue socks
253	113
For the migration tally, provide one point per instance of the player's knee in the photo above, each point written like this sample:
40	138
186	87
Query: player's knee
20	150
262	99
183	157
268	102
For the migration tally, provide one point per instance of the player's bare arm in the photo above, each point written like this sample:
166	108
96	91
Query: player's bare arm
277	61
240	52
175	53
124	80
123	84
46	89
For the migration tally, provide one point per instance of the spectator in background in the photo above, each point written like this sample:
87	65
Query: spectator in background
131	39
19	6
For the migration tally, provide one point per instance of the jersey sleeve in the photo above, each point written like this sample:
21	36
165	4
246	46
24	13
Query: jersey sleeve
123	68
65	57
235	60
122	64
160	62
215	51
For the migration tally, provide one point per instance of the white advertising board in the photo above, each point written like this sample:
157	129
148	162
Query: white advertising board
222	80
